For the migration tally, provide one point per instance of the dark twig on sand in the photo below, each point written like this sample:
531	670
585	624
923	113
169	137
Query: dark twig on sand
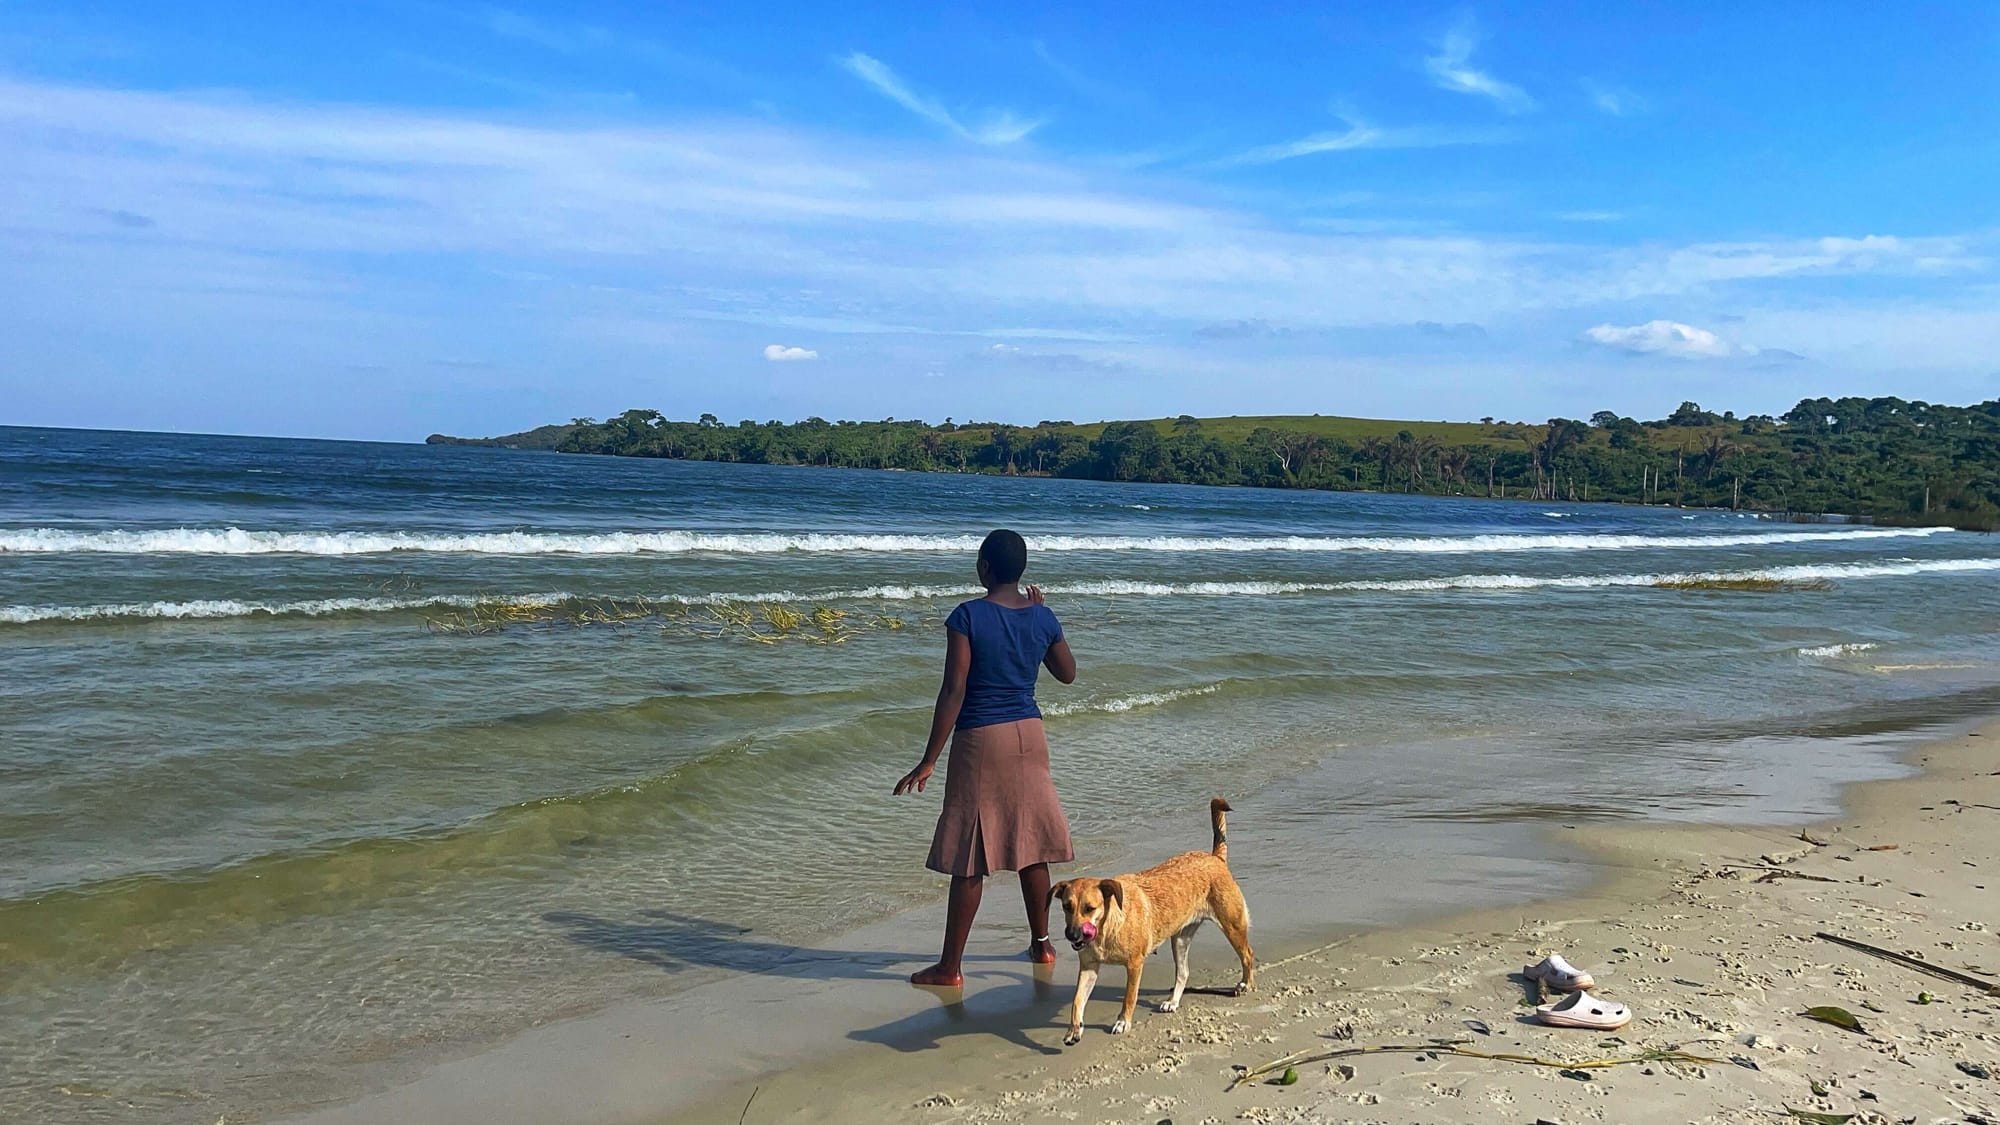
740	1118
1779	872
1457	1047
1909	962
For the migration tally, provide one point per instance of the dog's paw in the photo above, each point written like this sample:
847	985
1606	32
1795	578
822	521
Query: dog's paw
1240	989
1169	1006
1072	1039
1121	1027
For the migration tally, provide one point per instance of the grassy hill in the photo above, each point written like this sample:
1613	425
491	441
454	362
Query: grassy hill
541	437
1884	457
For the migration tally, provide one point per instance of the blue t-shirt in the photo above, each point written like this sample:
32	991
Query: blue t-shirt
1007	650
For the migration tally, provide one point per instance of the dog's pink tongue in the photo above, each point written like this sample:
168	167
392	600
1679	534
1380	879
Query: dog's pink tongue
1090	931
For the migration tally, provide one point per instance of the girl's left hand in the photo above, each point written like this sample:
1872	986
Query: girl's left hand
1034	594
913	782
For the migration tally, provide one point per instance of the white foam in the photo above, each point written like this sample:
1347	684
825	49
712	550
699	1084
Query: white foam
1807	573
861	594
1104	588
229	607
1830	651
237	541
1127	703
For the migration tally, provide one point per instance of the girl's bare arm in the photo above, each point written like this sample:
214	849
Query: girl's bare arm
951	696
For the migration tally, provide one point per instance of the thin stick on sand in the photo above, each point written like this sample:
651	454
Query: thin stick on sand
1452	1048
1781	872
1987	987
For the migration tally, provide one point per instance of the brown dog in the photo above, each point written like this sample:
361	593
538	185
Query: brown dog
1123	919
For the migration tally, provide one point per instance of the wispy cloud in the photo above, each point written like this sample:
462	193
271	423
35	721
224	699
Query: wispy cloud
1050	362
1359	134
1590	216
578	40
1084	84
509	24
1247	329
567	96
1451	69
1614	101
130	220
779	353
359	226
1000	128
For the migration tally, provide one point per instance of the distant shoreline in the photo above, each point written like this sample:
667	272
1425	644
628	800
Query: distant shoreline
1848	461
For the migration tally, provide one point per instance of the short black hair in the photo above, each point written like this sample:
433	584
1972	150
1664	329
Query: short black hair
1005	554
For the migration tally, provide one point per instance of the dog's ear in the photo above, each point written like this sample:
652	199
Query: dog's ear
1056	892
1113	892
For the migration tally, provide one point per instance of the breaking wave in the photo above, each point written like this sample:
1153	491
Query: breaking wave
237	541
1103	588
229	607
1129	702
1805	573
1829	651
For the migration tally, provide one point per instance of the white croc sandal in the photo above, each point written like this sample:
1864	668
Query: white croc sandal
1559	974
1581	1009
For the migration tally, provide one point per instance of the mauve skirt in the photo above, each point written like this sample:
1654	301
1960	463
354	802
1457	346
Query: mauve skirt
1000	807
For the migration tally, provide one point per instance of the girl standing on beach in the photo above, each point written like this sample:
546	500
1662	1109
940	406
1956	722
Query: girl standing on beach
1000	808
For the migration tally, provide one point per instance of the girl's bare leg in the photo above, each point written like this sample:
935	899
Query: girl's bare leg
958	914
1035	896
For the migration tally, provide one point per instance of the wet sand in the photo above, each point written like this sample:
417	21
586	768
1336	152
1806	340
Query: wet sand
1713	961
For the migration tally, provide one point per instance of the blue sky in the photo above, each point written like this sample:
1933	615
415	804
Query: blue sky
380	220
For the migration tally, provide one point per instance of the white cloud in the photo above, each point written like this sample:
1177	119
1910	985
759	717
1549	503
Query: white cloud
585	39
1616	102
779	353
1450	70
1084	84
1664	337
1053	362
513	25
1359	135
1001	128
1590	216
328	225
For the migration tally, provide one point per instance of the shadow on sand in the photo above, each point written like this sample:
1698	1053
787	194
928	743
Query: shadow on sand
1007	1012
677	943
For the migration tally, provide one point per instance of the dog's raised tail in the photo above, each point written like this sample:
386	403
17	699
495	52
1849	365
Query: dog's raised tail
1216	808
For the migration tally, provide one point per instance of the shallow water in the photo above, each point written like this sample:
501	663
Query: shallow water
254	805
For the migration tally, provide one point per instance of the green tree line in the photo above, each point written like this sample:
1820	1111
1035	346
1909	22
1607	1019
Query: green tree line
1885	458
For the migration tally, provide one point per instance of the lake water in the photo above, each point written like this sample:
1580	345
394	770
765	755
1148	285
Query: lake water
316	754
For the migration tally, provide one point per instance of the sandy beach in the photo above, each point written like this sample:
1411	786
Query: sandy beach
1707	933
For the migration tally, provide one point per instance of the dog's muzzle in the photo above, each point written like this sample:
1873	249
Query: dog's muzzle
1080	936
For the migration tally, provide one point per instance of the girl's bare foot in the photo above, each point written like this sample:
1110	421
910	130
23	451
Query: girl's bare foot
1041	952
937	976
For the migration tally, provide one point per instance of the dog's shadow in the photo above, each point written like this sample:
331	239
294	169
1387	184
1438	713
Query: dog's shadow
927	1030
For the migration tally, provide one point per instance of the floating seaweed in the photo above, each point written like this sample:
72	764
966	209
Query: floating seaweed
1750	584
761	623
